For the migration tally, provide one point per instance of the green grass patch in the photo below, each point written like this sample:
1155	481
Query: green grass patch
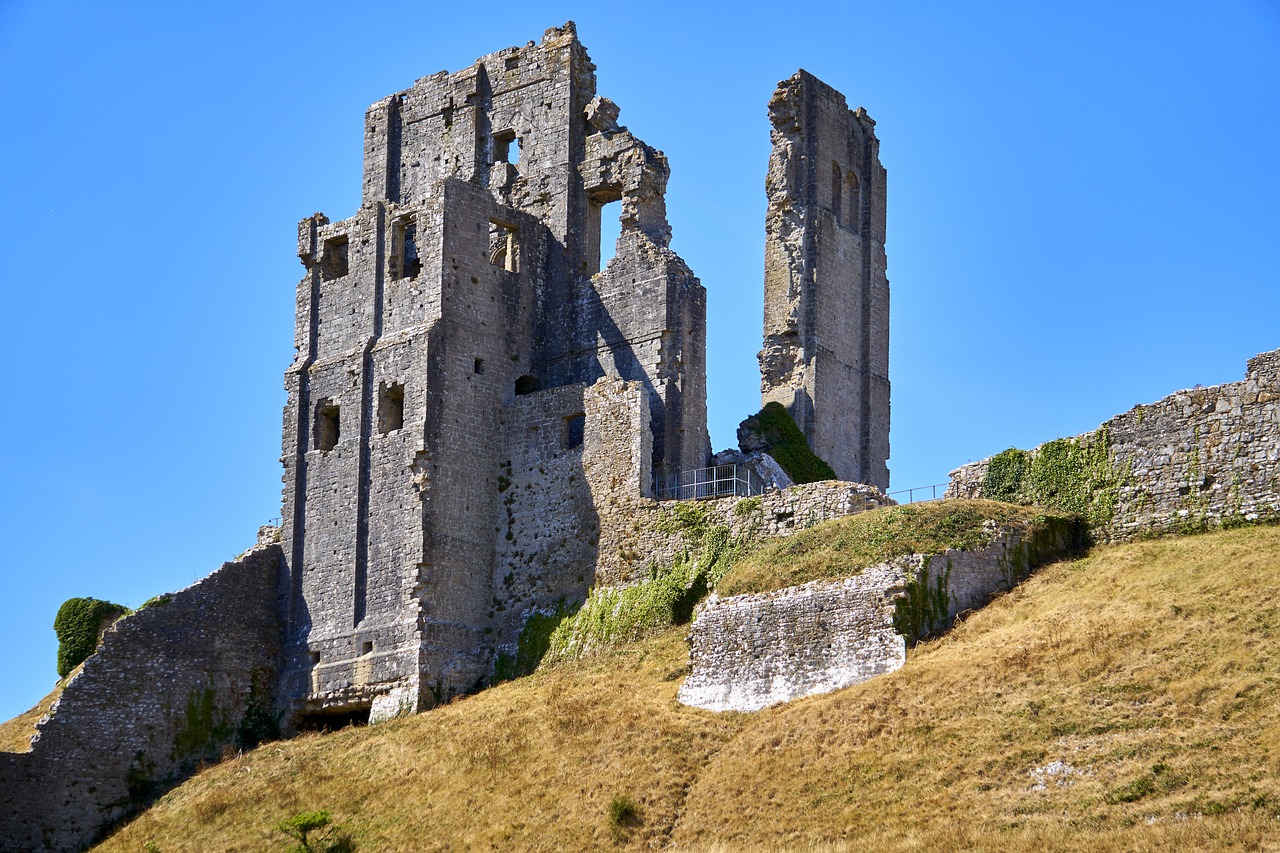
842	547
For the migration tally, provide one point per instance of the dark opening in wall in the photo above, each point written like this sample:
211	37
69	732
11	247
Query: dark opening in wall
366	648
390	407
527	385
332	721
333	261
504	248
326	428
404	249
574	426
479	365
506	147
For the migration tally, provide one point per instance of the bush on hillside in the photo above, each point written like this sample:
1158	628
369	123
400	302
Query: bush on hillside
785	442
79	623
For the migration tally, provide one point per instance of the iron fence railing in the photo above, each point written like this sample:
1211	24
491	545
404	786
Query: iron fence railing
718	481
935	493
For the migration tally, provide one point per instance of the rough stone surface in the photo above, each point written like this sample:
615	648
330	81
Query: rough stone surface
826	296
449	337
748	652
1200	457
168	687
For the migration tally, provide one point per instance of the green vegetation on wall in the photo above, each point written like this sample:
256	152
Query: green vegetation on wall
78	625
787	444
925	607
613	615
1070	475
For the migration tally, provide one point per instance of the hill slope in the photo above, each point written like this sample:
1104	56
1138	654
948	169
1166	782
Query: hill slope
1127	700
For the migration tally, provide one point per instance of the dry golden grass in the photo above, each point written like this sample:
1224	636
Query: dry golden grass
844	546
16	734
1151	669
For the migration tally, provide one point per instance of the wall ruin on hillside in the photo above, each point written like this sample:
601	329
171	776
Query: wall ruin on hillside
747	652
1198	458
170	685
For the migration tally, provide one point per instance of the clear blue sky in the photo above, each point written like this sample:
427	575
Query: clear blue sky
1082	216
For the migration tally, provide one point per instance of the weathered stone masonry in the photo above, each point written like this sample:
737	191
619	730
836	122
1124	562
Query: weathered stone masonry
449	336
826	308
748	652
168	687
1200	457
476	417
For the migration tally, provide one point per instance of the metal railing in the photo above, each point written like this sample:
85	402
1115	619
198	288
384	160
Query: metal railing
935	492
719	481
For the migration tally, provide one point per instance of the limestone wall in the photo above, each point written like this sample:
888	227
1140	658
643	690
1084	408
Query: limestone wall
748	652
169	685
1200	457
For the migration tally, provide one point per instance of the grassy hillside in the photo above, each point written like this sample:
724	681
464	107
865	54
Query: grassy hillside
16	734
1129	700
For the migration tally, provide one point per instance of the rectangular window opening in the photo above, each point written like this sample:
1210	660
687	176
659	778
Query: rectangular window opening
390	407
504	248
574	427
404	249
479	365
333	260
325	436
366	648
506	147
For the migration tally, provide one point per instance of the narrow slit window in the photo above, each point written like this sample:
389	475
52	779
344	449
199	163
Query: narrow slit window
504	248
390	408
405	249
574	427
326	427
333	261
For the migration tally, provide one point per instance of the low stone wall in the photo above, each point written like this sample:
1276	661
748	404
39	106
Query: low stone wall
170	685
1199	458
638	533
748	652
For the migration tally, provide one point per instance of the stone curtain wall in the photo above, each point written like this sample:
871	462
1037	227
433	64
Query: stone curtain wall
638	533
169	686
748	652
1200	457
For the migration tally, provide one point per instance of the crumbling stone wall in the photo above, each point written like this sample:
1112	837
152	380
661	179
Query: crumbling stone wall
748	652
169	686
468	280
826	305
1199	457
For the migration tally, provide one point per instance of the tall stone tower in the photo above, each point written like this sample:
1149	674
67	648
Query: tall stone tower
826	297
459	326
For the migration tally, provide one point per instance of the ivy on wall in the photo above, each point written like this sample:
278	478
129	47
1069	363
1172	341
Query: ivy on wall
1070	475
79	624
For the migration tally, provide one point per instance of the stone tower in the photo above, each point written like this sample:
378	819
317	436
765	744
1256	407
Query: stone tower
826	297
457	326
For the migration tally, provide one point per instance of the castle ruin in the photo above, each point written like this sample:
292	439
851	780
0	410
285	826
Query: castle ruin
458	336
478	415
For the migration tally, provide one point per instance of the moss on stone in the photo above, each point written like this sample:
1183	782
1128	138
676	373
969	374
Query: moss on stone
787	444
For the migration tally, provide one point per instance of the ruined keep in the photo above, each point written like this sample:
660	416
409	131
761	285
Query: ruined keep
826	296
456	323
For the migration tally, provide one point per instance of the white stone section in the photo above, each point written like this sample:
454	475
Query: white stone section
752	651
